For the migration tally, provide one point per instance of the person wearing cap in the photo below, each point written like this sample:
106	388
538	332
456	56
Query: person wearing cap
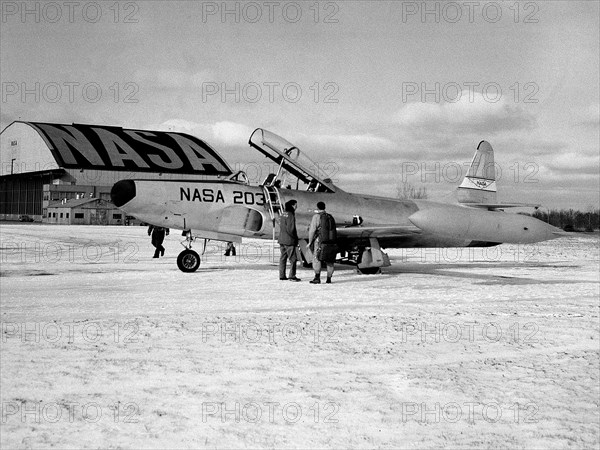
288	240
324	249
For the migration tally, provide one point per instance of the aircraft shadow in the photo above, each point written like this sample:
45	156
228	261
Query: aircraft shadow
458	270
454	271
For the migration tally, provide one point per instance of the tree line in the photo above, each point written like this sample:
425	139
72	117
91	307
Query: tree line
570	219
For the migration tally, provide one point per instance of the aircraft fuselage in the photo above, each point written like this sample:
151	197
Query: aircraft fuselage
228	210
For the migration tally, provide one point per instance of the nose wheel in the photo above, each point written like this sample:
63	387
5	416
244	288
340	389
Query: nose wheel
188	261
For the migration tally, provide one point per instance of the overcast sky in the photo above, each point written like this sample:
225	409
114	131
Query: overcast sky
377	92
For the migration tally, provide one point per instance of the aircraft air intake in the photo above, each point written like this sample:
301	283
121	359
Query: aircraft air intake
122	192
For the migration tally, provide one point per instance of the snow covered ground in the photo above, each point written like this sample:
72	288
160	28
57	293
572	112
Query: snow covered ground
103	346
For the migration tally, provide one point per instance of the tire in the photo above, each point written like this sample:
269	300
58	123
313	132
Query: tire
188	261
370	270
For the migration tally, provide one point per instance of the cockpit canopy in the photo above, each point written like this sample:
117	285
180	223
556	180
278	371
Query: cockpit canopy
291	163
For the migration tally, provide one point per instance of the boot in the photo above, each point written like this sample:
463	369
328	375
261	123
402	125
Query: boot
328	281
317	279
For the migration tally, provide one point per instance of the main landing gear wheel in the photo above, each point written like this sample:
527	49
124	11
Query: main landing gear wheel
188	261
370	270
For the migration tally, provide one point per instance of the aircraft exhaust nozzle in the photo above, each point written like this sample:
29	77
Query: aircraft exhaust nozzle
122	192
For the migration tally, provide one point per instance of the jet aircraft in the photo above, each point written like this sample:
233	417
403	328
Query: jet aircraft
229	209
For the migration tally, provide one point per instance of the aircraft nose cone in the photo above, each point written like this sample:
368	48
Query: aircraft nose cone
122	192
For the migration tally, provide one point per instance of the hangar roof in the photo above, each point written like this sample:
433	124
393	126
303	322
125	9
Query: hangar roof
101	147
54	173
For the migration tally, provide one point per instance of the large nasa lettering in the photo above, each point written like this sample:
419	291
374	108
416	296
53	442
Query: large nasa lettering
113	148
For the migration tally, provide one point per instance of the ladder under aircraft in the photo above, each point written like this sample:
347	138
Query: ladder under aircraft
273	203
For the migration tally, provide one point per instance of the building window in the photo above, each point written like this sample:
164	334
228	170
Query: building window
61	215
79	215
67	215
117	216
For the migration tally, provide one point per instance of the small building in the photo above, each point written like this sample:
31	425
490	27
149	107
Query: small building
85	211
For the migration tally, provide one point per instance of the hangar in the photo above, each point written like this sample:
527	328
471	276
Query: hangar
84	211
46	164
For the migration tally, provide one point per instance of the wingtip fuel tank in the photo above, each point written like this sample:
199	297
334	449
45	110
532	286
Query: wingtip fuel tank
480	225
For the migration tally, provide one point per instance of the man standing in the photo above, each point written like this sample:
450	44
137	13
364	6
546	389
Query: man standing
230	249
288	240
322	235
158	236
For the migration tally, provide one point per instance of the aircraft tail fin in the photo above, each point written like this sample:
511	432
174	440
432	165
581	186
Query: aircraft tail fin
479	185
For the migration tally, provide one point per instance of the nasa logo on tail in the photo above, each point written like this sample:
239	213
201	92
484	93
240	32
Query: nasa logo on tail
478	183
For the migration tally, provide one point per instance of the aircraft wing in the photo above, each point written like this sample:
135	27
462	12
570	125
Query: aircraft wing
379	231
494	206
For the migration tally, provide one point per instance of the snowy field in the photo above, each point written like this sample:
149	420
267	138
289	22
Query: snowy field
103	346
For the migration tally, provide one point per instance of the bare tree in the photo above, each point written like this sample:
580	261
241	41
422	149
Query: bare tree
406	191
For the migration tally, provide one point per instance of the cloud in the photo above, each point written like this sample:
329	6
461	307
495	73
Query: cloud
230	134
590	116
471	112
350	145
575	163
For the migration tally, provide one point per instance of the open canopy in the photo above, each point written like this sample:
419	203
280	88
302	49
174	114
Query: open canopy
290	160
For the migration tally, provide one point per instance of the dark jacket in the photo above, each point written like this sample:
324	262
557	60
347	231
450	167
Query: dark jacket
287	229
158	234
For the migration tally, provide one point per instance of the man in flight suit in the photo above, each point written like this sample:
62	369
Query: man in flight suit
288	240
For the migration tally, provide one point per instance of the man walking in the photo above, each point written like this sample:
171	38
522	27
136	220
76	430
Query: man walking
322	236
288	240
158	236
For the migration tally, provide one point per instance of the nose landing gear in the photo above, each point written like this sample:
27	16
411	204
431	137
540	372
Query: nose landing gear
189	260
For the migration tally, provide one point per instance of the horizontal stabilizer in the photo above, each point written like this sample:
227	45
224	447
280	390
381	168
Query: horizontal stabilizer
379	231
494	206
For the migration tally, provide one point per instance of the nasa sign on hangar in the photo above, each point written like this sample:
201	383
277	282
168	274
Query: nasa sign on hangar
45	163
